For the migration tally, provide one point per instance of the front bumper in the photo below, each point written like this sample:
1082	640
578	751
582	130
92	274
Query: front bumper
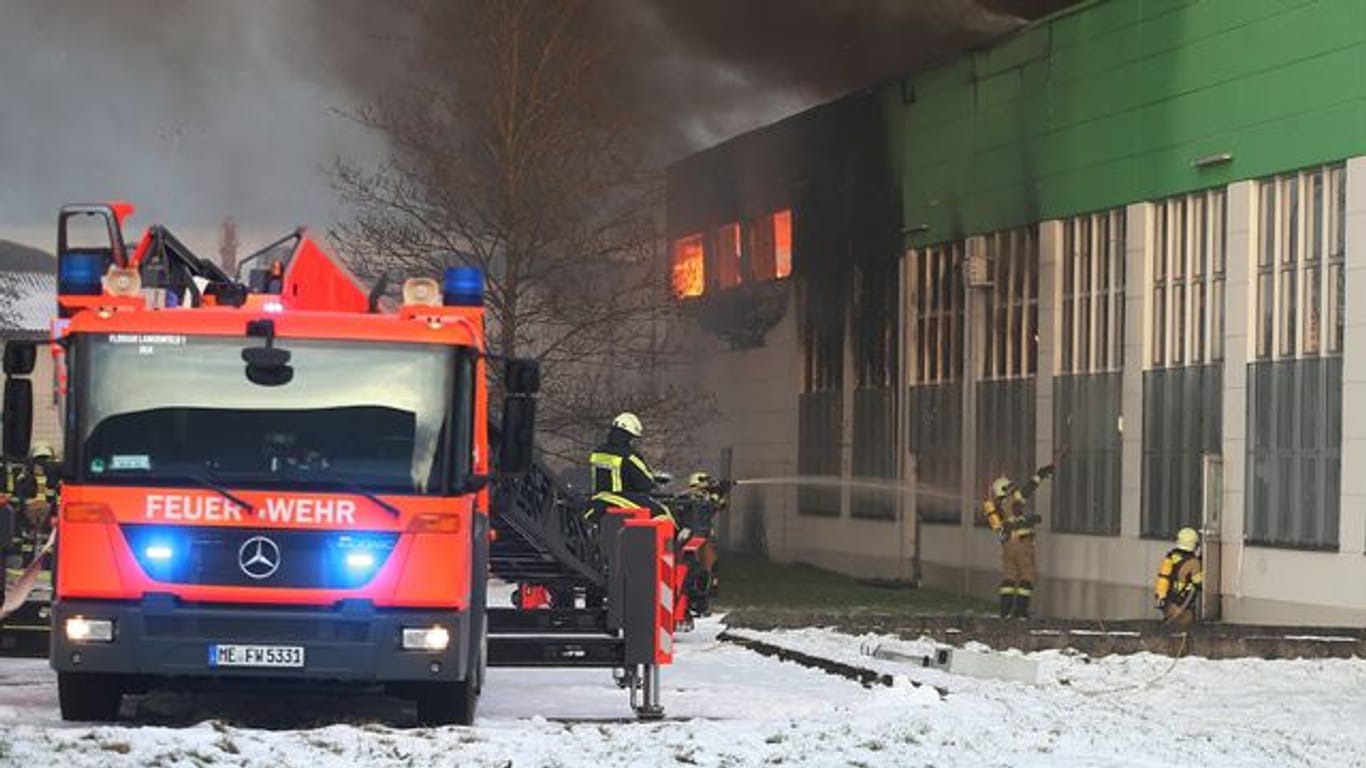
353	643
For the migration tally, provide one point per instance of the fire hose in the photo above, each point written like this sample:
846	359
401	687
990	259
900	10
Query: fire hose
27	581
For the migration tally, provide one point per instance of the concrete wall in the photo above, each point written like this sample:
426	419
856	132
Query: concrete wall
756	418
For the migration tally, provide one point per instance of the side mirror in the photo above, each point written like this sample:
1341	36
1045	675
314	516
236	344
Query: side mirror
515	452
268	366
18	418
522	376
20	357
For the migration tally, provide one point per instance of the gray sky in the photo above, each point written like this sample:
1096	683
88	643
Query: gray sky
194	109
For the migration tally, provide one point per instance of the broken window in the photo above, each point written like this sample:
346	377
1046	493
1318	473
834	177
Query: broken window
782	244
1091	334
1299	262
1187	300
689	270
770	246
1012	304
937	306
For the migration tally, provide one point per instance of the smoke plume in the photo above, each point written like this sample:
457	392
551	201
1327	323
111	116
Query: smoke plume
197	109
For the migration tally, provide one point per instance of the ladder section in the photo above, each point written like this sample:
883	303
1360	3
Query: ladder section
540	534
627	626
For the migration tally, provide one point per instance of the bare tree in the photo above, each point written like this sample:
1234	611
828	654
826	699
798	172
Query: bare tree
509	152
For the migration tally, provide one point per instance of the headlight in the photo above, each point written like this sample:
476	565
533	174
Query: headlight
79	629
426	638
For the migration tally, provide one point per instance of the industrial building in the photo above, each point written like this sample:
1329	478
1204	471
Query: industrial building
1119	240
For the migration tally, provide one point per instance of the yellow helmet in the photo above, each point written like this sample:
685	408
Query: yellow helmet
699	479
1000	486
629	423
42	451
1187	539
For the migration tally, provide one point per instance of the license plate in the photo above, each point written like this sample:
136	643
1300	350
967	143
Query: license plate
256	656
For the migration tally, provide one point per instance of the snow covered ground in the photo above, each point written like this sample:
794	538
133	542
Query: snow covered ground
731	707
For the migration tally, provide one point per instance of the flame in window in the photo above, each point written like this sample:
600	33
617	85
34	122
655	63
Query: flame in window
782	243
689	276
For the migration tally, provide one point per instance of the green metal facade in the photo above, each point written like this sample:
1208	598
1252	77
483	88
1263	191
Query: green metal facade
1114	101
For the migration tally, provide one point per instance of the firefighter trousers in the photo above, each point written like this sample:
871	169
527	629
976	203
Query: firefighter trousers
1017	566
1174	615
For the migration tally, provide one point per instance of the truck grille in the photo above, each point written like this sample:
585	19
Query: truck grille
257	629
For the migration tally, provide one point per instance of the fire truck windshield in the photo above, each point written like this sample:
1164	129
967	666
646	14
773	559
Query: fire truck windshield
377	416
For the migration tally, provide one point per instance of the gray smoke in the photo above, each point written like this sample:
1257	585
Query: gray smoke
197	109
193	109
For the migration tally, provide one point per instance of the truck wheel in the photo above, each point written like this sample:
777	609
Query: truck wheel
447	703
89	697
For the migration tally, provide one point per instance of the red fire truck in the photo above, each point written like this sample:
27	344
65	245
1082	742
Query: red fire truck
269	481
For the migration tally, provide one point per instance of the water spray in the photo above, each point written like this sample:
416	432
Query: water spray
860	484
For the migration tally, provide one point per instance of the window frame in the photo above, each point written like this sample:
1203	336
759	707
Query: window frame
1011	349
1090	293
936	302
1187	280
1299	265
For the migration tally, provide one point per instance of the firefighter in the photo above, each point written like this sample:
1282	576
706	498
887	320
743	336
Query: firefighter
714	494
31	494
1180	577
1004	509
621	477
38	482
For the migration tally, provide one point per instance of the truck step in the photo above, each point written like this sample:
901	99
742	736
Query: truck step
510	621
523	651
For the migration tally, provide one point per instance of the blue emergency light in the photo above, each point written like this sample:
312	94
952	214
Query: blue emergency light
357	558
79	273
462	287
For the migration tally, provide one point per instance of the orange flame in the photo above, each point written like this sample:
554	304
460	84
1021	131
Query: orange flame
689	274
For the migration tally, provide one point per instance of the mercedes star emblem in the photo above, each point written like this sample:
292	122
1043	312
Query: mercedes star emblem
258	557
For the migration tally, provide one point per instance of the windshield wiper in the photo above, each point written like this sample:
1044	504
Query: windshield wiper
350	487
204	482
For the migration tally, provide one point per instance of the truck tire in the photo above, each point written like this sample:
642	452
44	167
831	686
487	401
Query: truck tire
89	697
447	703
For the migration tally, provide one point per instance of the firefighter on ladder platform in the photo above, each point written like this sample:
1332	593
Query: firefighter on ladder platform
715	495
1004	509
621	478
1180	577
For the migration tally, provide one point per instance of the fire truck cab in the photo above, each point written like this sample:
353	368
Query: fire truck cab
269	480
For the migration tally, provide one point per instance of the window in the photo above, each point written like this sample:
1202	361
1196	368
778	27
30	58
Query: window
1299	266
935	300
728	255
1294	400
782	244
689	276
1091	288
1012	304
937	293
770	246
1188	251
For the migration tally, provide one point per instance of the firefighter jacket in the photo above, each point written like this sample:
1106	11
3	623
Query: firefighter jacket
1006	514
1179	578
618	470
